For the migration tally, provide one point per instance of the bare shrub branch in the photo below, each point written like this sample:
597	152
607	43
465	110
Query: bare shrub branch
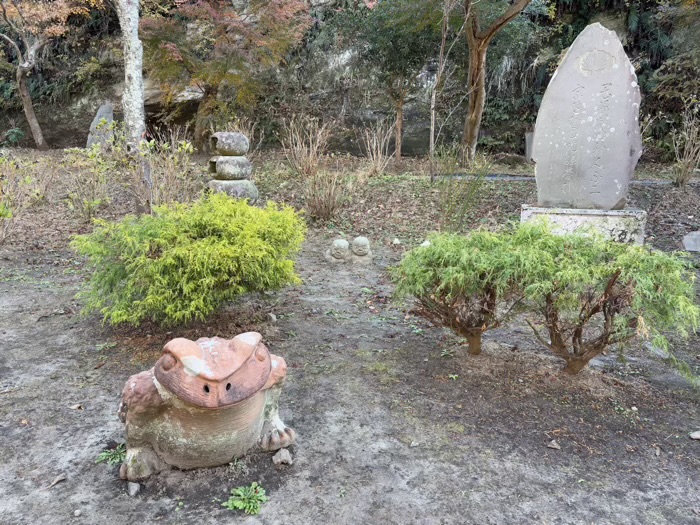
375	141
305	141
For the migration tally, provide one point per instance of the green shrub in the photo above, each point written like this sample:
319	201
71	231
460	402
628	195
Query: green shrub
467	284
589	293
185	260
11	137
582	293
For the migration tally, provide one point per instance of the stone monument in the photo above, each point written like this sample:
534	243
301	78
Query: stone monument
203	404
101	131
231	169
587	140
691	242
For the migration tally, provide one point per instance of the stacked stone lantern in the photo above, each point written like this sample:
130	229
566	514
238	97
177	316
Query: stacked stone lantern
231	169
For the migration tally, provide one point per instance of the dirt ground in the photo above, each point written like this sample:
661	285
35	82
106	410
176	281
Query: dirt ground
396	424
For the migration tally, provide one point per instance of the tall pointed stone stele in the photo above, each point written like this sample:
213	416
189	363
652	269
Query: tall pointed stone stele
587	140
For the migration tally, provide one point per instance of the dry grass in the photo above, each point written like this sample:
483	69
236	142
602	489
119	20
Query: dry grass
686	145
173	174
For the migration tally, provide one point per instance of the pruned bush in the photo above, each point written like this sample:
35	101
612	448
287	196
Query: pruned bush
581	294
590	294
323	194
160	172
172	175
184	261
305	140
468	284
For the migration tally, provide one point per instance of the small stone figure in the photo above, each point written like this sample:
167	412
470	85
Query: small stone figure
232	170
361	254
203	404
339	252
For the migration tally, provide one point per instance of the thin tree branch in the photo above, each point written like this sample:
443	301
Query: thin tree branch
12	25
7	19
19	12
14	45
502	21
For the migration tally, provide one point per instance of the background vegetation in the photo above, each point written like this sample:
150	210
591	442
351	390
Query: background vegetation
353	63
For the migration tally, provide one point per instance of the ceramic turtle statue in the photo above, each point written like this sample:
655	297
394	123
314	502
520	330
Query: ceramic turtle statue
203	404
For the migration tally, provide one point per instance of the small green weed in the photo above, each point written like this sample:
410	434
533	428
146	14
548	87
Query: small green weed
105	346
247	499
417	329
114	456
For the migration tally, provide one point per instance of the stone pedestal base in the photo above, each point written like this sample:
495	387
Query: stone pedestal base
616	225
238	189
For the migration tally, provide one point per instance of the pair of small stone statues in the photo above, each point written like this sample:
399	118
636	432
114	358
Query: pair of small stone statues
342	251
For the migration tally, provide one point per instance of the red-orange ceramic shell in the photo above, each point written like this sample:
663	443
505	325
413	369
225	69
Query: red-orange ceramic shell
214	373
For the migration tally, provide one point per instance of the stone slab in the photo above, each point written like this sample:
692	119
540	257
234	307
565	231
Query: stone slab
691	242
617	225
230	143
587	138
231	168
100	131
238	189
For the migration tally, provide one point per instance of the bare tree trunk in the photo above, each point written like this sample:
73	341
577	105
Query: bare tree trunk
474	340
476	83
132	98
399	125
575	365
29	110
433	118
478	42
